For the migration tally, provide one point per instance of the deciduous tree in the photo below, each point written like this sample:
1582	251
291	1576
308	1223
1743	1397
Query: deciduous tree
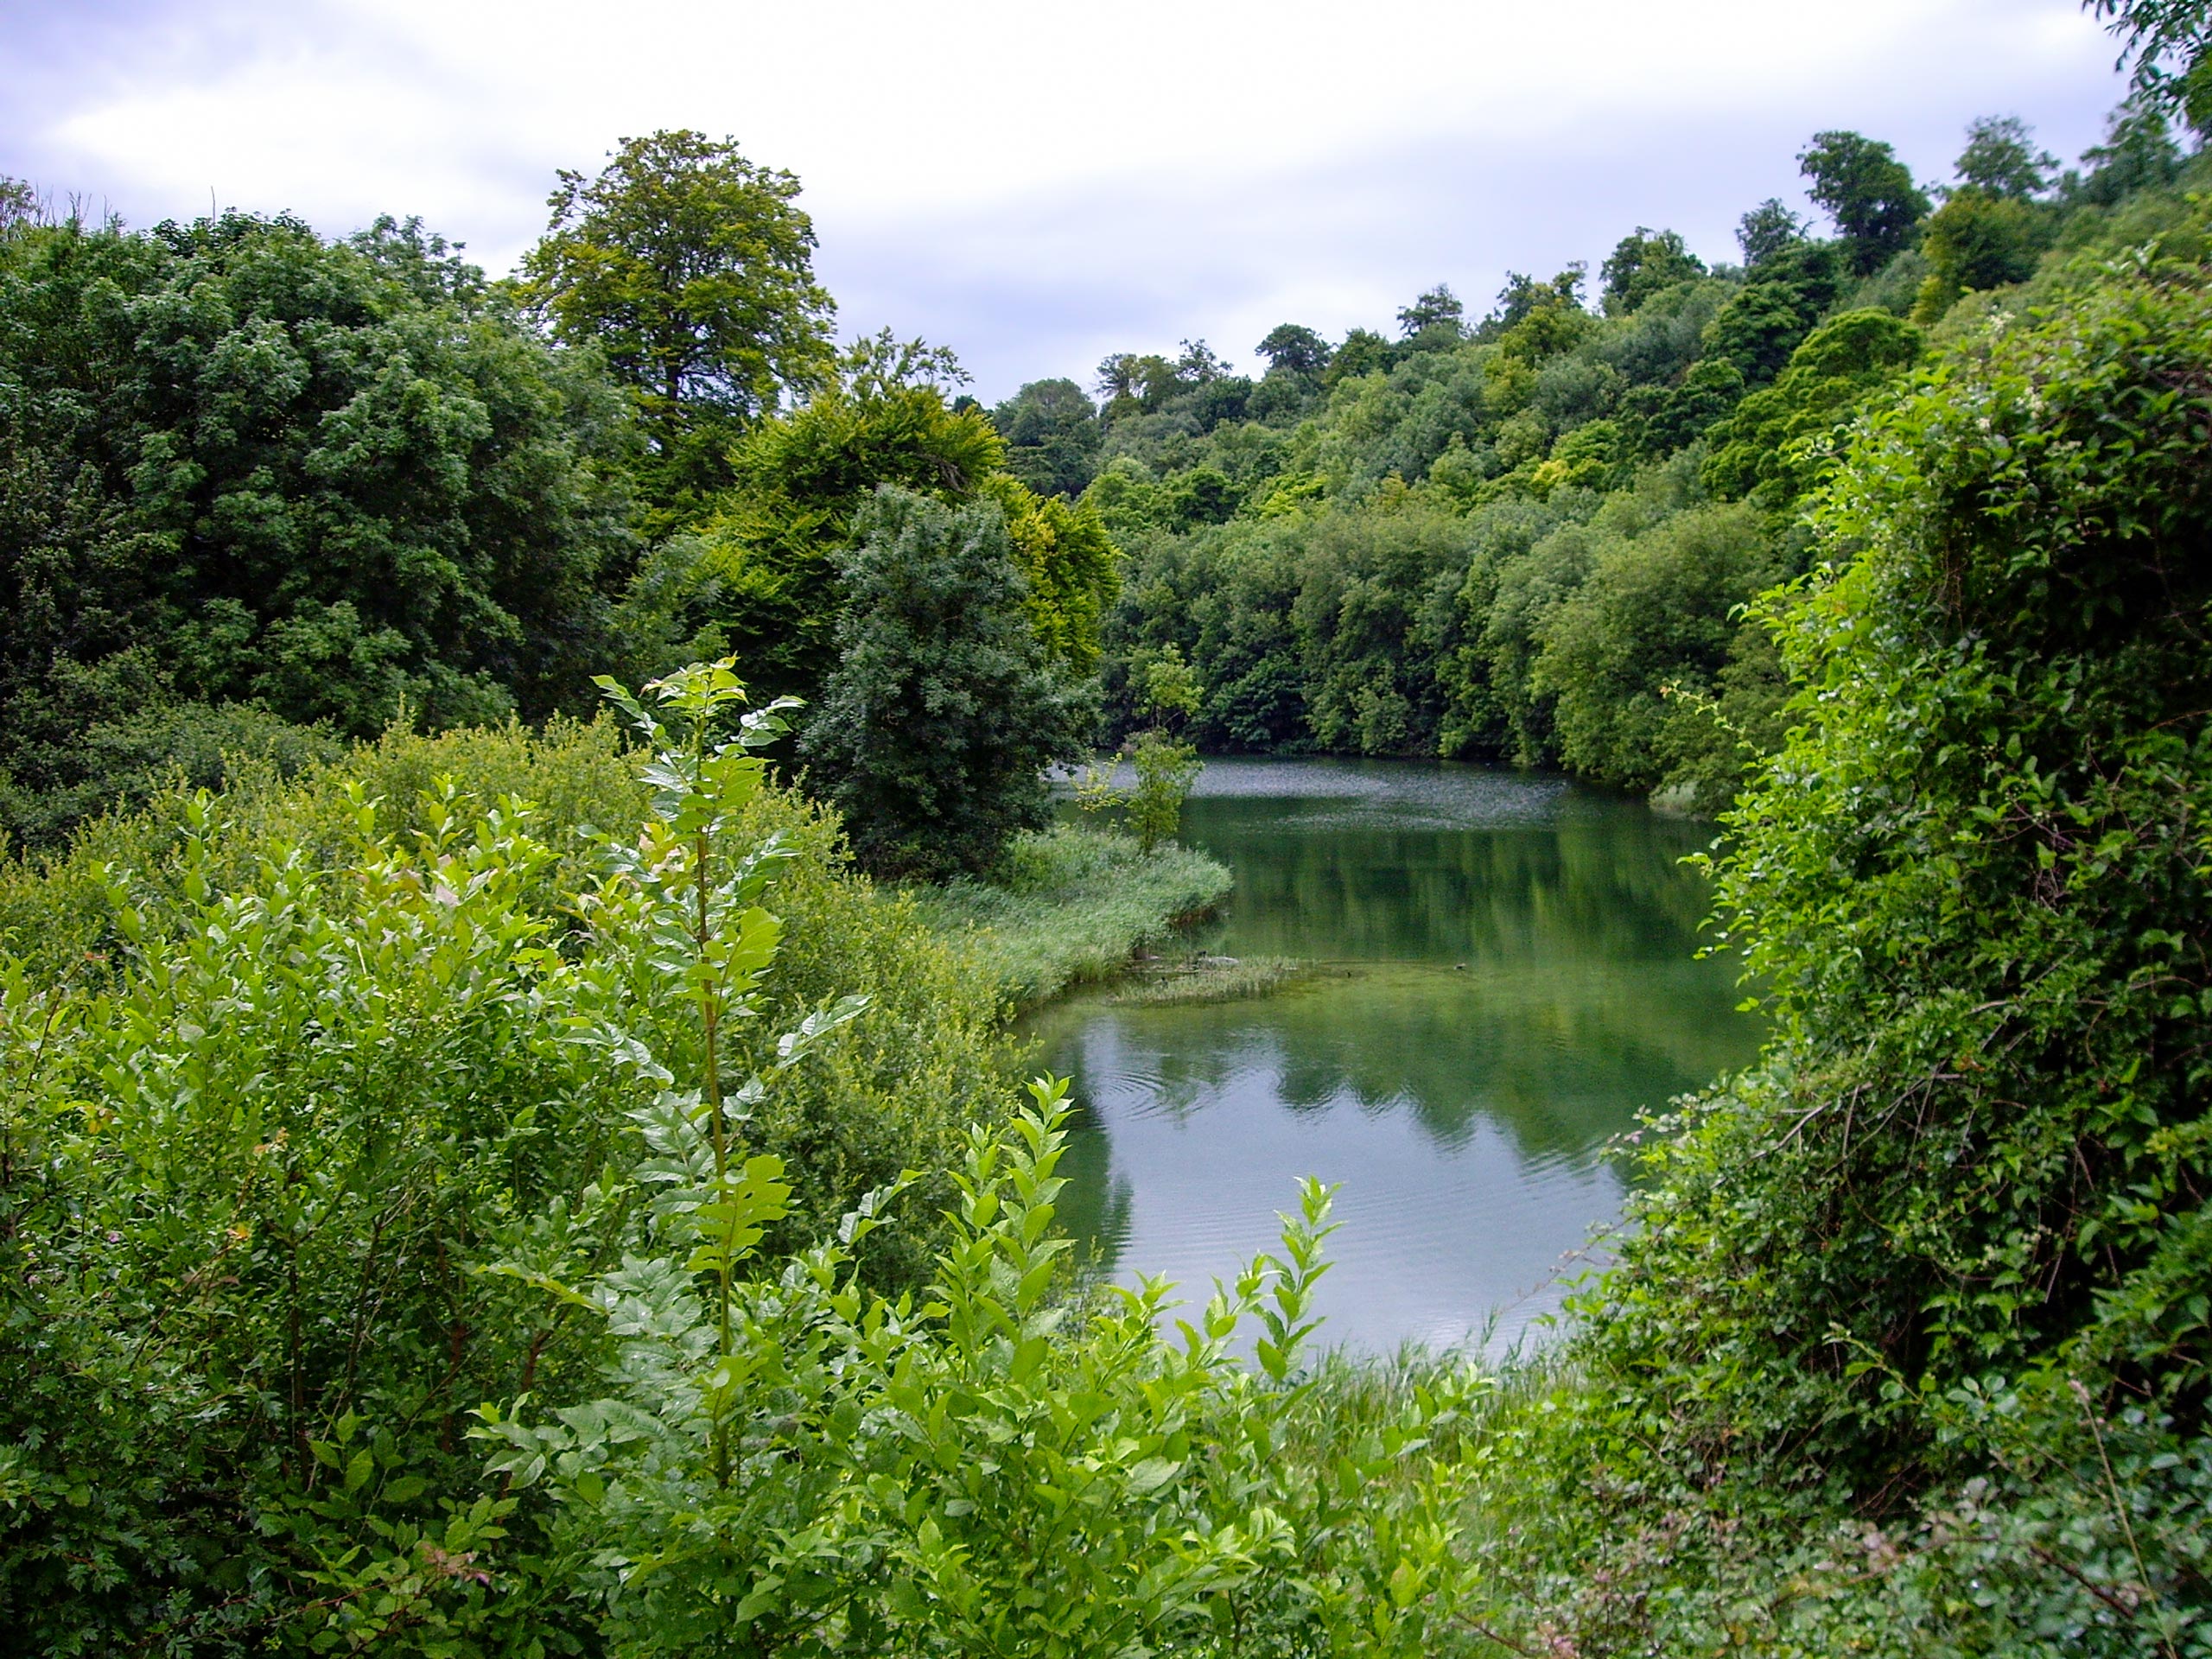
691	270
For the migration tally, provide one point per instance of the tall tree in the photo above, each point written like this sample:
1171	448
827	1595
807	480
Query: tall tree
1051	432
1291	349
1769	229
2001	159
240	464
1436	312
692	270
1867	191
1642	263
2138	153
933	734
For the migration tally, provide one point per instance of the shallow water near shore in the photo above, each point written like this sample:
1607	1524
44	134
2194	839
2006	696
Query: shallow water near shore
1504	975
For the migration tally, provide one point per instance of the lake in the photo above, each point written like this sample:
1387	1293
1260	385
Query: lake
1505	975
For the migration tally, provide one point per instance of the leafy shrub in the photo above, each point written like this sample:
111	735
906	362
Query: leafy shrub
1908	1352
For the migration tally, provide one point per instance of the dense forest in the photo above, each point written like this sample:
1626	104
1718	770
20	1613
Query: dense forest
495	1161
1529	537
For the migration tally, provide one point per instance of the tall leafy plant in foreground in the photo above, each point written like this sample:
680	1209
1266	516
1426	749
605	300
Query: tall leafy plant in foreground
784	1462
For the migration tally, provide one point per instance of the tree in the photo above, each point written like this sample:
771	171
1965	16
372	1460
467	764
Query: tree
934	731
2138	153
1165	762
1762	447
1117	376
1867	191
1438	311
797	480
19	204
1291	349
2171	43
1364	352
238	463
1524	295
2001	159
1978	240
1769	229
1642	263
1197	365
1765	319
692	272
764	565
1051	432
1654	619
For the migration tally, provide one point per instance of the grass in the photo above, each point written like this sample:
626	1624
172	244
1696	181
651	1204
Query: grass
1211	979
1073	907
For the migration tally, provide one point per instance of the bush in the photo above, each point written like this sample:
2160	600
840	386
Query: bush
1908	1349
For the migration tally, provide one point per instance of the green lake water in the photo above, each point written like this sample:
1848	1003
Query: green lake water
1507	977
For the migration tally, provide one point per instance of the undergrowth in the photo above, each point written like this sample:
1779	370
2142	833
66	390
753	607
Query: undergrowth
1072	907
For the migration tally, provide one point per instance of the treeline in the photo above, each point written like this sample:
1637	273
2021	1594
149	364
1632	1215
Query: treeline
1527	537
262	494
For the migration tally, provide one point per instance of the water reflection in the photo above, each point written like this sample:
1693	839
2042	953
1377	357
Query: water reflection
1507	978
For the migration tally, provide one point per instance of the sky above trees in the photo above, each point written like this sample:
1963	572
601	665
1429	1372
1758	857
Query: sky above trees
1038	185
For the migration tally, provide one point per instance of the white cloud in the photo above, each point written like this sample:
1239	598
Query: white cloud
1034	182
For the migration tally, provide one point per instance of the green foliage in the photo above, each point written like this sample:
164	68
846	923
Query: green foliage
1651	628
1870	194
1641	264
993	1470
933	734
1771	227
1764	321
2000	160
1071	907
1052	434
120	765
1372	573
1166	764
2168	42
1771	445
287	1068
2139	153
1436	315
692	272
1978	239
1293	349
1934	1271
775	537
243	465
762	578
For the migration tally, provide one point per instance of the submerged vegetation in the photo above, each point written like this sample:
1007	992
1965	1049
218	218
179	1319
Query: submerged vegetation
524	1190
1202	978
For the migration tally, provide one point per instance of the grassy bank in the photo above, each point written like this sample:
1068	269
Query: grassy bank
1074	907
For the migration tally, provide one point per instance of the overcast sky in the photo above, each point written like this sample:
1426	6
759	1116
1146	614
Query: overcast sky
1037	184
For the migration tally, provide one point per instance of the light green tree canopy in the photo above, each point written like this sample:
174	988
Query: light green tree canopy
691	270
